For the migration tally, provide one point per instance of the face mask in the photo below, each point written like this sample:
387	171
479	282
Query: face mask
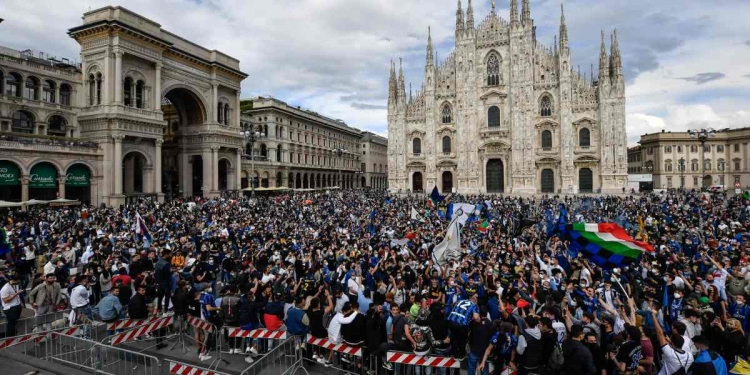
451	283
677	296
211	262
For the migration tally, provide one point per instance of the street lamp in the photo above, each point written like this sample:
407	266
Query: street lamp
702	135
340	152
251	137
682	173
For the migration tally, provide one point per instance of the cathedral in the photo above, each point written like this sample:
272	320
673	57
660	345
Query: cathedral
504	113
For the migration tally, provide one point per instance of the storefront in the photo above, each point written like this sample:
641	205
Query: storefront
78	183
43	182
10	181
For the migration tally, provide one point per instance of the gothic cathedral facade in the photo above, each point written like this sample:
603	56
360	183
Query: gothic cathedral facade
504	114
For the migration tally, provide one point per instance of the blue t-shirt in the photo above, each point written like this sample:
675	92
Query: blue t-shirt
207	299
462	312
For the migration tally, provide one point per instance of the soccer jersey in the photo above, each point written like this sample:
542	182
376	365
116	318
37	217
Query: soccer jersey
462	312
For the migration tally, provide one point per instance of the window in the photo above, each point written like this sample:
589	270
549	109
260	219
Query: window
545	106
48	91
720	164
23	122
707	148
92	90
416	146
650	166
446	145
679	149
447	118
64	94
694	165
30	91
707	164
493	117
668	166
693	148
139	94
98	88
546	140
669	182
584	137
221	113
736	180
127	90
719	148
226	114
650	151
681	165
736	165
493	71
13	85
695	181
668	149
56	126
736	147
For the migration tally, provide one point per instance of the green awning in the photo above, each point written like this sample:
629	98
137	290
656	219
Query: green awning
43	175
78	175
9	173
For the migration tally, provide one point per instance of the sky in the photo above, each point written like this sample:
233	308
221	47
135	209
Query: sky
685	61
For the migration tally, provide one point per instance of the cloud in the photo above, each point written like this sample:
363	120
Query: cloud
368	106
747	42
702	78
680	118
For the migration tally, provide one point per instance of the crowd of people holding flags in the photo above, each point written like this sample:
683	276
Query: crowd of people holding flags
632	284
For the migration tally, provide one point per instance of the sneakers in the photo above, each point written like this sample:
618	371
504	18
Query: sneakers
345	360
249	360
252	351
204	357
323	362
315	357
237	351
388	366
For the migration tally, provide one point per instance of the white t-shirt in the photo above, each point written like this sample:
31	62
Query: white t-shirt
672	360
6	292
79	297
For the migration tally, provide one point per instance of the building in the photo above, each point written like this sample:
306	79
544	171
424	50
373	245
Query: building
146	112
297	148
505	113
679	160
374	161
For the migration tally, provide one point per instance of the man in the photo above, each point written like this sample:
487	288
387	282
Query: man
628	355
209	312
707	362
353	333
481	331
530	348
79	302
346	316
230	309
163	277
297	321
461	315
674	358
138	306
578	359
11	298
109	309
44	297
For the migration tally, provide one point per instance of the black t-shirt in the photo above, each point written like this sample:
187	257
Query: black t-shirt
308	287
194	308
630	354
317	329
434	292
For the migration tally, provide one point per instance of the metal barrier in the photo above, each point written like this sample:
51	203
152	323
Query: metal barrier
140	331
347	358
97	358
130	323
187	369
53	320
37	337
230	335
284	359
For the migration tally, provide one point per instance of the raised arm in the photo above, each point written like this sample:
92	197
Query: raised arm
657	326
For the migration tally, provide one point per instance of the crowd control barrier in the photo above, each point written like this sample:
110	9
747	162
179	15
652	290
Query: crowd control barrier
96	358
36	336
418	360
123	324
341	348
135	333
179	368
284	359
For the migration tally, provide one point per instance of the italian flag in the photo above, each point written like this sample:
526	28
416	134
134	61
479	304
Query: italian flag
483	226
609	237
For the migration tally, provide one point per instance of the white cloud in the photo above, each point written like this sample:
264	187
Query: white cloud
681	118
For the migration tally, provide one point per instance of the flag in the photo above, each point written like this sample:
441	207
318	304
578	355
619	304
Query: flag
450	247
410	235
430	203
142	230
484	226
415	214
606	244
435	196
460	211
521	225
642	235
746	194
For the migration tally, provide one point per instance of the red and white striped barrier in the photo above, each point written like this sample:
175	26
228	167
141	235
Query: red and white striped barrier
185	369
37	336
200	324
413	359
65	331
130	323
341	348
256	333
142	330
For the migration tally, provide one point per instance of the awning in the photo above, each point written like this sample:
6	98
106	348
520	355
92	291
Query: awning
61	202
5	204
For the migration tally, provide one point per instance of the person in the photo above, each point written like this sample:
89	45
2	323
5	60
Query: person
11	298
230	312
315	314
707	362
578	359
628	355
163	278
209	313
138	305
481	331
44	299
346	316
297	322
530	348
675	359
79	302
461	315
109	309
501	350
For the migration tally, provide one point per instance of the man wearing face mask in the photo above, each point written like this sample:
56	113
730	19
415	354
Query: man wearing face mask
11	300
740	311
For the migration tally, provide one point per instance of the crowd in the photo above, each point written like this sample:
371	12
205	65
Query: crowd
357	267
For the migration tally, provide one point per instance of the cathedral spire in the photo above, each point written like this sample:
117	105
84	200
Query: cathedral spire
429	47
493	7
401	85
513	12
526	12
563	32
469	17
555	44
392	84
616	59
459	19
603	62
592	73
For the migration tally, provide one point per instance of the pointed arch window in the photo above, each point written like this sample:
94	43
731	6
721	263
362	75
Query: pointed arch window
493	71
446	145
584	137
416	146
221	113
447	114
546	140
545	106
493	117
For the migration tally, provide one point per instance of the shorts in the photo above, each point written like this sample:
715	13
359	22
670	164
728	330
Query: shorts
334	340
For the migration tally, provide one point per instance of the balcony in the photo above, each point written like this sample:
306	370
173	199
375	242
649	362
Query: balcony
45	143
584	149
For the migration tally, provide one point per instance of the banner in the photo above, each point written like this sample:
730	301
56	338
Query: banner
9	173
43	175
78	175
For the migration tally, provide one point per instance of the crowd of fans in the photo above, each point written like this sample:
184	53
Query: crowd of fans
356	267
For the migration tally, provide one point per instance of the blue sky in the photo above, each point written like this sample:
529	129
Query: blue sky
685	61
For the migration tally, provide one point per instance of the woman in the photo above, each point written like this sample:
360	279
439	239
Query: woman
105	280
715	301
317	328
734	339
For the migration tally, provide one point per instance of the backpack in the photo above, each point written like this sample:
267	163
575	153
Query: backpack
230	308
399	333
709	362
556	359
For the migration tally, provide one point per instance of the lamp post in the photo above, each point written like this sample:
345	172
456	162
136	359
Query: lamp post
702	135
340	152
650	170
251	137
682	173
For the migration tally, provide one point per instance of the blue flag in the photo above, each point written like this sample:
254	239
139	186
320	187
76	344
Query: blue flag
435	196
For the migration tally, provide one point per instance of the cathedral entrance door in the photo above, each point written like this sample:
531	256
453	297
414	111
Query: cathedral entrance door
548	181
447	182
416	182
495	176
585	180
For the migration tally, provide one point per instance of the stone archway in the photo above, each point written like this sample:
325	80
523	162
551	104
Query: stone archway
133	172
